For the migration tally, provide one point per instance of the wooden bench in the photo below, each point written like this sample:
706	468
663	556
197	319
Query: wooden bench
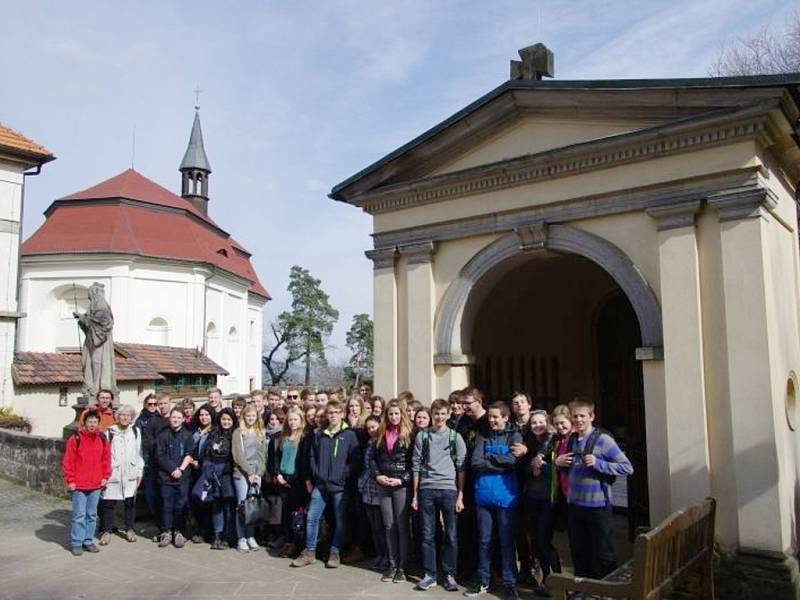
680	545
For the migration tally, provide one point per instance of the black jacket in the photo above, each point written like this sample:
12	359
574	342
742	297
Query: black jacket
155	425
333	458
396	463
171	448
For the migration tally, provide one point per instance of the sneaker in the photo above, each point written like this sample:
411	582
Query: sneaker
399	576
426	583
450	584
130	535
478	590
180	541
510	593
105	537
77	551
253	544
388	575
91	548
306	558
197	539
164	540
217	544
242	546
333	561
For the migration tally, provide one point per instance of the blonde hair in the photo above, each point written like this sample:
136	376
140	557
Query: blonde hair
405	425
562	410
287	434
362	416
258	426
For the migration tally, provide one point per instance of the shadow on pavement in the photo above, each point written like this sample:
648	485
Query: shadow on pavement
55	530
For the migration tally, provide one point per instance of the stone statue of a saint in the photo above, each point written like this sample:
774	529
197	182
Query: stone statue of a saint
97	354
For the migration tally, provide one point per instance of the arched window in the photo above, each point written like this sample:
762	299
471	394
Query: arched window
158	331
233	334
211	330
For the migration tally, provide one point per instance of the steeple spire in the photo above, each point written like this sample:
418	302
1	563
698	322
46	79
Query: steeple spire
195	168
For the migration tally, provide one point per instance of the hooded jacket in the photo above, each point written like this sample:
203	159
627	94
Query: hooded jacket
87	460
496	482
333	457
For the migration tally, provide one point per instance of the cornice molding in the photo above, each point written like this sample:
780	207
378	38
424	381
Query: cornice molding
647	144
747	202
625	201
418	254
675	216
383	258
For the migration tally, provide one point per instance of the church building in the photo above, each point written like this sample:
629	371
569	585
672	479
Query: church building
634	242
174	278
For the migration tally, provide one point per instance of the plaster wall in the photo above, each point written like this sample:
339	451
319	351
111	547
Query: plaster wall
532	135
11	184
660	170
40	404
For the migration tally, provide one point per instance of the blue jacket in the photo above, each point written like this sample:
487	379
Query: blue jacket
496	482
333	457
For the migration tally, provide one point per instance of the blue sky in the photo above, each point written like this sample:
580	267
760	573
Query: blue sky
298	96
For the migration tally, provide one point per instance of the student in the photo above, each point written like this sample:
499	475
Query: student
378	406
391	469
214	401
521	412
126	474
187	407
438	483
274	400
537	518
103	408
86	467
238	404
334	455
200	512
257	399
285	468
365	391
356	415
174	447
152	484
306	398
592	461
496	495
217	458
293	397
411	409
456	409
368	488
249	466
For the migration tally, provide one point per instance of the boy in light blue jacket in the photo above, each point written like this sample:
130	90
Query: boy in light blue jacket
496	495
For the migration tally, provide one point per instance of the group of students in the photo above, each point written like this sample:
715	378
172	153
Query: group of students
462	487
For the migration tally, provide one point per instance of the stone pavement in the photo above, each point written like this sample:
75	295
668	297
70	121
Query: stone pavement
35	564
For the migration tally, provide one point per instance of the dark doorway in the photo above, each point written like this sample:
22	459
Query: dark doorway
620	396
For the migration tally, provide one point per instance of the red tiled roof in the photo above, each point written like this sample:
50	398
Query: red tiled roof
157	224
38	368
169	360
16	143
134	362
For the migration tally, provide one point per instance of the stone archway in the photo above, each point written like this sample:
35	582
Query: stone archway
453	321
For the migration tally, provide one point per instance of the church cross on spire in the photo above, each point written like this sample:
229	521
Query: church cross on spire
197	92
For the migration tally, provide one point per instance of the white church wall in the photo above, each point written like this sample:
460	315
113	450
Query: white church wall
11	182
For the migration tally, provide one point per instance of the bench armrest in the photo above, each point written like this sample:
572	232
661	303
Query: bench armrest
560	584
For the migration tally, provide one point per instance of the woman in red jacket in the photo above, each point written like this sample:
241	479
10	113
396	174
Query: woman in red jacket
87	467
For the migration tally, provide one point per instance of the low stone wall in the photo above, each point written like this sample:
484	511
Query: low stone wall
32	460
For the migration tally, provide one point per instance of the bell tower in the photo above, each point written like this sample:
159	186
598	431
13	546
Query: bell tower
195	168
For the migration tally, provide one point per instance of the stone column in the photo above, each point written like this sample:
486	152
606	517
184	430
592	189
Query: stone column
684	379
420	303
744	230
384	283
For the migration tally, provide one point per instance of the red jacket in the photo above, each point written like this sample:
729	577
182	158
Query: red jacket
87	463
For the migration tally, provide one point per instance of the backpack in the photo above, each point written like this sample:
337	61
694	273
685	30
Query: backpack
103	437
588	448
426	445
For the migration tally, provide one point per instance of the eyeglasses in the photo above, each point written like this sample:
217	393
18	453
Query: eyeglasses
152	404
293	396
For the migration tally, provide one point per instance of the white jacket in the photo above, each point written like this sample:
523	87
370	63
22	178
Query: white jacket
126	463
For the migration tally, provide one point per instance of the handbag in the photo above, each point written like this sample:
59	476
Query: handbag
253	509
299	526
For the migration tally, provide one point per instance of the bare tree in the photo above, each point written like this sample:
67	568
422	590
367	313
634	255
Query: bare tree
768	51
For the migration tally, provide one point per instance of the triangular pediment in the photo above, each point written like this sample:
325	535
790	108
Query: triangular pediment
524	121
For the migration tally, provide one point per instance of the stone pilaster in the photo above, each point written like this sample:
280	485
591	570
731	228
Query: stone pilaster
385	321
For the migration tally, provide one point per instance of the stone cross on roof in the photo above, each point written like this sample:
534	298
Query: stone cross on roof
537	62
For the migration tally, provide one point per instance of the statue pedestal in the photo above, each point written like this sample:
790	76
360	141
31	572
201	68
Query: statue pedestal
79	407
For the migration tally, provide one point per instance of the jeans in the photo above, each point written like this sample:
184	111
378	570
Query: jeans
430	503
109	522
394	511
241	485
221	510
316	508
376	529
503	519
173	502
590	541
84	517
